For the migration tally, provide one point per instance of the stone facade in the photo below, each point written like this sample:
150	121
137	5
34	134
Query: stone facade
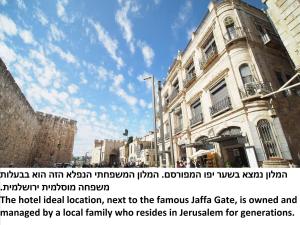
29	138
106	152
285	15
215	91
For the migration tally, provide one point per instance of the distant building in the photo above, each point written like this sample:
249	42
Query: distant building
106	152
215	89
141	151
285	15
29	138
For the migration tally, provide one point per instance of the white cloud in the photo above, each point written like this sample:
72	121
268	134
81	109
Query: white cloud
83	79
7	54
118	90
118	80
72	88
130	87
55	33
110	44
61	11
7	26
27	37
156	2
41	17
44	69
147	52
183	15
3	2
126	25
131	100
102	73
67	56
142	103
21	4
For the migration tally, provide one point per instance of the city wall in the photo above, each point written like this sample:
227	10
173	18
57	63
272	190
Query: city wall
29	138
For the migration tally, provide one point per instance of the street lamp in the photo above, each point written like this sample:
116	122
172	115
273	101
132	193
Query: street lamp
154	118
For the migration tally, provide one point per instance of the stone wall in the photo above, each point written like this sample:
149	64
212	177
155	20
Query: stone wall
18	123
29	138
54	142
285	15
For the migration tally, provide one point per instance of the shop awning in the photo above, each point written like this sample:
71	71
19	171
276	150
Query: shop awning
201	153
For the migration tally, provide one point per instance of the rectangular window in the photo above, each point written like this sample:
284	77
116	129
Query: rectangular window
219	92
196	108
220	99
190	69
210	48
176	85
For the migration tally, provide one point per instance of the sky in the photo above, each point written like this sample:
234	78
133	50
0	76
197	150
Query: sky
86	60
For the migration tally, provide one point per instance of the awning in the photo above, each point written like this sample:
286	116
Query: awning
218	139
201	153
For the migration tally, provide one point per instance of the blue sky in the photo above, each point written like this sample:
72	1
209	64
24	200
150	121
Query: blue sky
85	60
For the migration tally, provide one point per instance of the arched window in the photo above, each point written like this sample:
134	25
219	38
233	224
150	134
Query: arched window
229	24
246	74
267	138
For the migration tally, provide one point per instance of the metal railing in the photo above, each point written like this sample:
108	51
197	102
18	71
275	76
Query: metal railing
178	128
189	78
207	58
197	118
220	106
258	88
173	94
235	34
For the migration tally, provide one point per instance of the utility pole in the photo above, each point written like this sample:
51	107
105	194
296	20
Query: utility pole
171	141
162	134
154	118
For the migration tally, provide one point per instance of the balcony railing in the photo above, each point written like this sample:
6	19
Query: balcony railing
178	129
208	58
197	118
220	106
189	79
173	94
235	34
253	89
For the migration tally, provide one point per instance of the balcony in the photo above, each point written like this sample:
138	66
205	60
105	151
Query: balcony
173	94
220	106
178	129
208	58
255	89
190	77
196	119
234	35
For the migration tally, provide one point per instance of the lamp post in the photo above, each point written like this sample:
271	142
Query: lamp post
154	118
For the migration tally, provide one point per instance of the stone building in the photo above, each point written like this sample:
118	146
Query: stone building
106	152
285	15
141	151
214	92
29	138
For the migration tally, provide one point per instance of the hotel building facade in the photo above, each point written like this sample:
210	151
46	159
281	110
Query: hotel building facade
215	91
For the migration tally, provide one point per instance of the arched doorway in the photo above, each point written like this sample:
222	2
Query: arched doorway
232	148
